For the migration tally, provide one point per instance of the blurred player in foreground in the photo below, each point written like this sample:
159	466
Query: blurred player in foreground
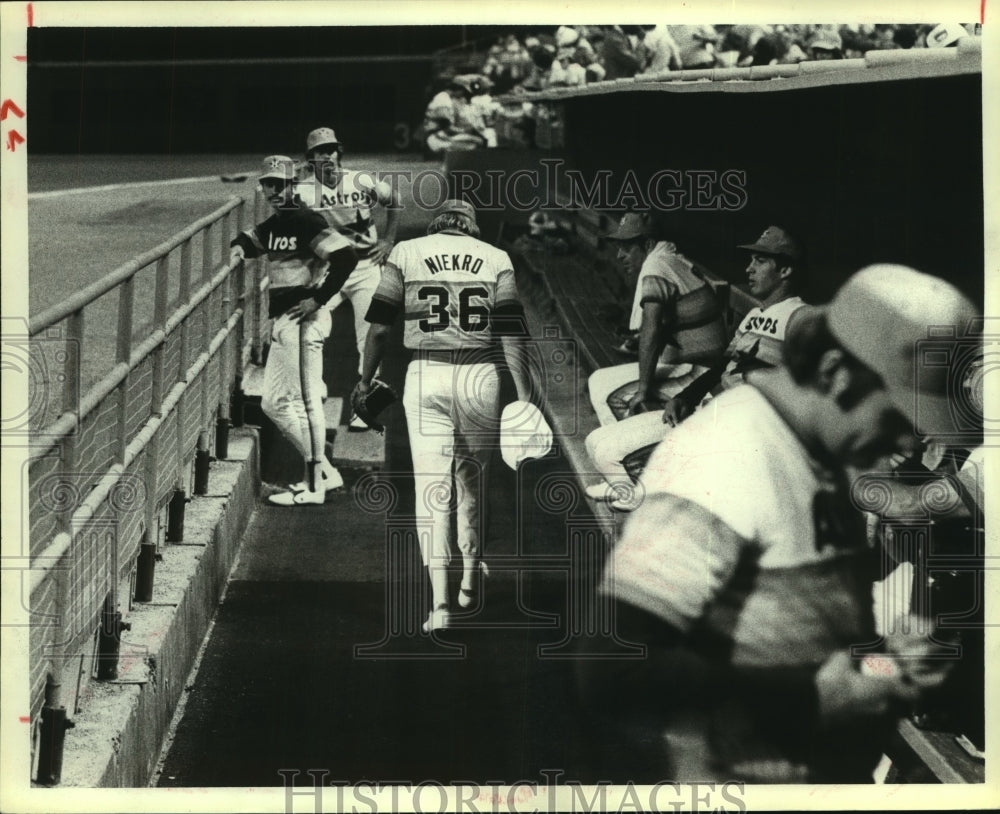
457	294
746	570
309	262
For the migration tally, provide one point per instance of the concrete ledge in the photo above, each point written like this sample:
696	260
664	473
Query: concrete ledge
122	724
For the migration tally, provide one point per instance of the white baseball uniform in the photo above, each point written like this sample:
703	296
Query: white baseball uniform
300	248
347	206
451	288
756	343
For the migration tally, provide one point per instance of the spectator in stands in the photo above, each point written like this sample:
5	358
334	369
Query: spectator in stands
678	318
774	279
736	48
451	123
484	109
619	55
570	37
746	572
696	44
661	50
826	44
543	55
570	67
507	64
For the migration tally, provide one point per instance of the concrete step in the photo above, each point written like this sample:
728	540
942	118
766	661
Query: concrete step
358	449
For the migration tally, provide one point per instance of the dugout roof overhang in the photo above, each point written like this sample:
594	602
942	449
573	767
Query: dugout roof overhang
875	66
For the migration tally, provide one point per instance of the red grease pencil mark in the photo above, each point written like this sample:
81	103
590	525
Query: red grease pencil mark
13	139
25	719
21	58
982	12
8	106
31	15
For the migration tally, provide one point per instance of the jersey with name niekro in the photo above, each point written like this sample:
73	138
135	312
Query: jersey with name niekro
448	285
347	206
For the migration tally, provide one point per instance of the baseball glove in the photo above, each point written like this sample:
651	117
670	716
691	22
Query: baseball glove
367	406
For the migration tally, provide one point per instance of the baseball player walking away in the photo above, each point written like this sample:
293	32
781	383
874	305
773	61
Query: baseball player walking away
346	198
457	293
308	263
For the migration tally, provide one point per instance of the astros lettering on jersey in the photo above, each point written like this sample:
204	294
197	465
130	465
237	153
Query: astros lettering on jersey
347	206
758	339
448	295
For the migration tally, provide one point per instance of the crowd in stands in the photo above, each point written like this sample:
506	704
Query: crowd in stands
463	112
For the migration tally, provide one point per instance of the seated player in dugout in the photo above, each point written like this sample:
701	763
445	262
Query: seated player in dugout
774	278
677	314
308	263
347	200
747	572
457	294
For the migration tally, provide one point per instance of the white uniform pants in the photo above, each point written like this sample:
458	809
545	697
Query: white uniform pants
453	415
358	288
671	379
293	382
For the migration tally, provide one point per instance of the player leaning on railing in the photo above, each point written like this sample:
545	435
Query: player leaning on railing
309	262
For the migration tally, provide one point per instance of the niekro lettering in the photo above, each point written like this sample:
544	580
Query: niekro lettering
437	263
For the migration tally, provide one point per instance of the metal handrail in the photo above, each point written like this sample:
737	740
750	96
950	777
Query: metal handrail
152	424
60	311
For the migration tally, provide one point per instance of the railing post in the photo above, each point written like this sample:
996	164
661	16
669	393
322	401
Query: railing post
226	353
52	735
152	458
236	409
145	569
206	252
126	305
257	340
184	299
175	516
71	404
224	237
109	639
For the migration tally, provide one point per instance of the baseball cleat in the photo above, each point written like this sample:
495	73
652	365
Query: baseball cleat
437	619
303	498
357	424
332	479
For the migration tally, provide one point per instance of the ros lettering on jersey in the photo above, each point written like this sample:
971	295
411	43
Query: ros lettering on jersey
453	262
282	242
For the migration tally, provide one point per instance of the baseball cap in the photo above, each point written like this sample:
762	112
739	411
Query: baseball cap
826	40
920	334
632	225
774	240
524	433
277	166
321	136
461	207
